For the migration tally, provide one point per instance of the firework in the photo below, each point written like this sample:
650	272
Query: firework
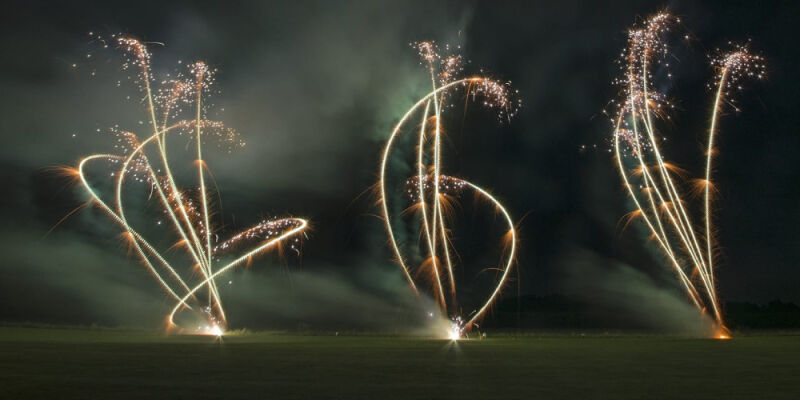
145	160
651	181
429	190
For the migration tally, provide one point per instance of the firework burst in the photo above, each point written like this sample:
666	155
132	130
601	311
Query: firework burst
144	159
431	191
650	180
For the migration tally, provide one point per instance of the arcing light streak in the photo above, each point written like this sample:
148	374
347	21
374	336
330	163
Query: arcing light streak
434	230
191	224
660	204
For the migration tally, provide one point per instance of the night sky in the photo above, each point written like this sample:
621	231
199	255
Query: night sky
314	89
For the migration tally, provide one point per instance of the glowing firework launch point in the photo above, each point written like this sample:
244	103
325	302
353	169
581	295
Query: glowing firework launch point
215	330
187	212
649	178
455	333
431	191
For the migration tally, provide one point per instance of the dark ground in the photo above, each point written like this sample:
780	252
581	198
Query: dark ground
96	363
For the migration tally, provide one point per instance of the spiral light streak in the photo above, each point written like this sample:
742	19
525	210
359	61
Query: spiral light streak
193	226
432	188
658	200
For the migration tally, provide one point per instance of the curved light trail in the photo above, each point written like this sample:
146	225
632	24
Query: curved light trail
649	179
191	223
432	189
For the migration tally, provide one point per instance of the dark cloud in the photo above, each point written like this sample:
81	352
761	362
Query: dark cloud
624	295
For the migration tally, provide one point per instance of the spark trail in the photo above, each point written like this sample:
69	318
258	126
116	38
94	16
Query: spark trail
432	192
649	179
188	212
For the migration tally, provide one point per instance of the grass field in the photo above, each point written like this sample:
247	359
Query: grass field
106	364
